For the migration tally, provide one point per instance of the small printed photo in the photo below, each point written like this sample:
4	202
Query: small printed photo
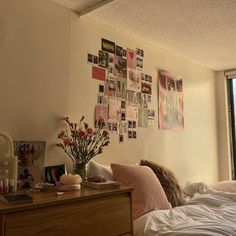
115	128
149	78
130	124
103	59
102	100
110	88
123	116
146	77
134	124
53	173
151	114
110	126
110	58
124	53
111	68
121	138
140	52
95	59
142	76
149	98
130	134
139	63
134	134
90	58
101	88
122	104
146	88
119	51
120	67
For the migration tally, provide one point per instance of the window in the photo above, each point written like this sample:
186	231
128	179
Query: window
231	84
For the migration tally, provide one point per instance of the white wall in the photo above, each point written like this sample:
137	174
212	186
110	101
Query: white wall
44	75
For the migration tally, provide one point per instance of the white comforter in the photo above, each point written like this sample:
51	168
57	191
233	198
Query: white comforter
205	214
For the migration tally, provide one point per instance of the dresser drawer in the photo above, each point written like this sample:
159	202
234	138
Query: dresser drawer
101	216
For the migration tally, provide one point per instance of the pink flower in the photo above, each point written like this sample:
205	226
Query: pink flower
89	131
82	133
66	141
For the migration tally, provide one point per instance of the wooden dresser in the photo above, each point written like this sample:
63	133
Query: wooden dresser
87	212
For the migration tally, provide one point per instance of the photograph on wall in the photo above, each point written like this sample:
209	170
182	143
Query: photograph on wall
146	87
171	111
133	98
101	115
143	117
31	158
110	87
103	59
90	58
98	73
134	80
120	67
101	89
144	100
131	58
151	116
121	88
131	113
139	52
111	63
139	63
103	100
114	110
119	51
108	46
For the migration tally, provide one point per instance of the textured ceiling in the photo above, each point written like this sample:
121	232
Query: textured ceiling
202	31
74	4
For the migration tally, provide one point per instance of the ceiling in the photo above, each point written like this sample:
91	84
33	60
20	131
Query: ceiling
202	31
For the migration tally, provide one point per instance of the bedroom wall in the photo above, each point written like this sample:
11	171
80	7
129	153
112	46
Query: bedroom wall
44	75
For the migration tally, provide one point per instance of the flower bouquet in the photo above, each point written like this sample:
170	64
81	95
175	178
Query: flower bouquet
81	143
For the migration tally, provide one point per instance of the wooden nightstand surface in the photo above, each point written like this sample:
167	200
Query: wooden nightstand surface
86	212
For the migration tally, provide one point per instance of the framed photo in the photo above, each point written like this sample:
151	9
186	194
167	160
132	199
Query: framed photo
53	173
31	157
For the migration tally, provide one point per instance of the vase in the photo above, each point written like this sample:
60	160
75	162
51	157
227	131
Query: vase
80	169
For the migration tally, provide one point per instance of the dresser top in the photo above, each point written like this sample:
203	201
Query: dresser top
50	198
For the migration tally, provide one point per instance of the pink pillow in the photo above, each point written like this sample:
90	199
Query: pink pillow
148	193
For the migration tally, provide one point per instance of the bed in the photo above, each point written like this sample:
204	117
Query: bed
212	213
161	209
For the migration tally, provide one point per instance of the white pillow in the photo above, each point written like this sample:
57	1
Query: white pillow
225	186
97	169
199	187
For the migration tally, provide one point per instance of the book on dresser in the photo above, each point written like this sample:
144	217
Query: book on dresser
17	198
102	185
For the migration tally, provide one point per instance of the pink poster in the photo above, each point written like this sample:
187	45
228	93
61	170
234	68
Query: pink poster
131	58
171	110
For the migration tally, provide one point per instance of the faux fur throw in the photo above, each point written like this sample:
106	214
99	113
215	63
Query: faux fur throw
168	181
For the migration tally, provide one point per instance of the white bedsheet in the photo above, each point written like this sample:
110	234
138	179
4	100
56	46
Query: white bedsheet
205	214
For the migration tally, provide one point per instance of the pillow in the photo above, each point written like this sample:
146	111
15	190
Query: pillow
96	169
168	181
148	194
199	187
225	186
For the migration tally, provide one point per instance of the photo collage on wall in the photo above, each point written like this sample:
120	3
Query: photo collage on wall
125	91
